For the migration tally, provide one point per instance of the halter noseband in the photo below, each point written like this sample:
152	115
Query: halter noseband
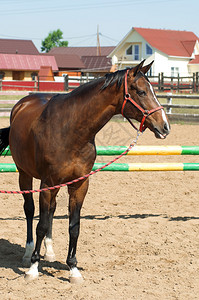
146	113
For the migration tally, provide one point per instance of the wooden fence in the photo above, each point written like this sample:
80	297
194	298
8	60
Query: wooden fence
39	84
185	117
178	83
161	83
169	107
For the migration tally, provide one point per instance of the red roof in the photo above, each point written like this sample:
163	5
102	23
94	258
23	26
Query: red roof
195	60
82	51
10	46
26	62
171	42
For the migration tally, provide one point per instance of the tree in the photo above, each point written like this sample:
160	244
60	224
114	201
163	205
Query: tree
53	40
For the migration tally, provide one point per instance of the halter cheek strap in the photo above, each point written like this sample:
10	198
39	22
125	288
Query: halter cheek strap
146	113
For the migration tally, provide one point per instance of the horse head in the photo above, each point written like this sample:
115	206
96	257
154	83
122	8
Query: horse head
140	102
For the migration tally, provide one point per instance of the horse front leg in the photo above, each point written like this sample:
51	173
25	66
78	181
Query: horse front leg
77	193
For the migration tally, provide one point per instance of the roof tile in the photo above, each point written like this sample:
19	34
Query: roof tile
11	46
171	42
82	51
26	62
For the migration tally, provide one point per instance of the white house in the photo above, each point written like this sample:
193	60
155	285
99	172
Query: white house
174	52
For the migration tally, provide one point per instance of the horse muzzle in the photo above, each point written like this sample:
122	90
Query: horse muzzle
163	132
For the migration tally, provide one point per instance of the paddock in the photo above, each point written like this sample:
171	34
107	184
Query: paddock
139	230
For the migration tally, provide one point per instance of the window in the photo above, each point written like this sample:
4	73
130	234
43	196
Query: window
149	73
149	50
18	75
129	51
136	52
174	71
2	74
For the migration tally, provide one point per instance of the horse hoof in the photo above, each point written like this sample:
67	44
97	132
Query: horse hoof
75	276
50	258
30	277
32	273
76	280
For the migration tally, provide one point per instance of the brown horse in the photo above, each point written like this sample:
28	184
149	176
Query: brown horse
52	138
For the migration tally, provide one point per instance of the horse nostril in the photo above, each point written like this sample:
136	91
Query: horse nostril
166	127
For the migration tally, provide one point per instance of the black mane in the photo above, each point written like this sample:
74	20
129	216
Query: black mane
112	78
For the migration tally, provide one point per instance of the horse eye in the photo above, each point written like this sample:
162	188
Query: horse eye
141	93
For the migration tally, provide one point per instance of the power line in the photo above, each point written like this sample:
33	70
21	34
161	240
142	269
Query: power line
79	7
82	39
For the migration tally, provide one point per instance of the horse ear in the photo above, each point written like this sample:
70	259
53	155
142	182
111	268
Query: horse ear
138	68
146	68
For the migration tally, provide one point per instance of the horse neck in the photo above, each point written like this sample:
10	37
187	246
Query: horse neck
96	110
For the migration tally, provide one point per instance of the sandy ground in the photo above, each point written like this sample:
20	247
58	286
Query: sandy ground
139	230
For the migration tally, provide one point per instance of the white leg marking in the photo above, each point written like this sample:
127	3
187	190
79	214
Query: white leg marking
75	276
32	272
49	255
28	253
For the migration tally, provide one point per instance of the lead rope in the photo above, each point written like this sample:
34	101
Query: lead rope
80	178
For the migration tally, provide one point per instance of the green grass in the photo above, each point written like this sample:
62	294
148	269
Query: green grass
11	97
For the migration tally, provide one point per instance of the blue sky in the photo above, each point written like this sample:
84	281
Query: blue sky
78	20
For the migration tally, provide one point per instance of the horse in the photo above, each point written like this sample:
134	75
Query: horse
52	138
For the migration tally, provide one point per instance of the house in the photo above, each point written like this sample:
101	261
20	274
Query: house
13	46
174	52
77	60
20	60
68	64
24	66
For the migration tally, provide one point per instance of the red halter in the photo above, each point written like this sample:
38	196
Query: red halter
145	113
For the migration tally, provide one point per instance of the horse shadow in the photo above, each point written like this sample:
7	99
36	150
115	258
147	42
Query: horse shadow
131	216
11	258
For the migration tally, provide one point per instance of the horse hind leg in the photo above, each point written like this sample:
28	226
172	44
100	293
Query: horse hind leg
49	254
77	194
25	183
44	229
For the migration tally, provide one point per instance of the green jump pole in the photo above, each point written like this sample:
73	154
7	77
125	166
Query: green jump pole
8	168
141	150
149	167
149	150
128	167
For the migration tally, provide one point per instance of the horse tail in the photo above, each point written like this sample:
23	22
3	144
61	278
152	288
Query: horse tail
4	138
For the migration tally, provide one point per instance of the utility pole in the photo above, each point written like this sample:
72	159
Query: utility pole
98	42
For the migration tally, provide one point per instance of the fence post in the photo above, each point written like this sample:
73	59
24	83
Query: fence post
159	82
178	87
162	81
172	83
38	83
66	82
169	101
196	85
35	84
